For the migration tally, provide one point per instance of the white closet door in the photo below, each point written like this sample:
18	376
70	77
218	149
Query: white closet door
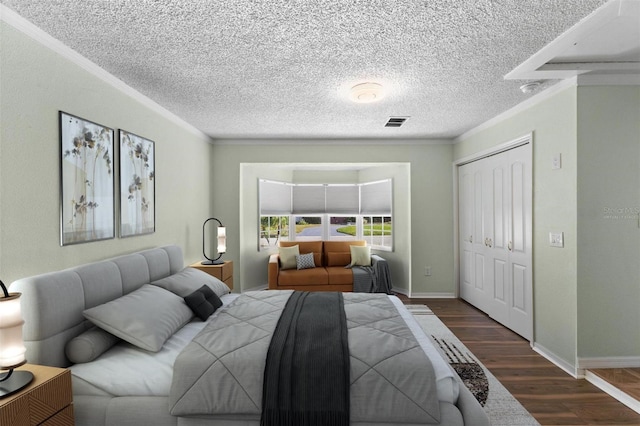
472	276
495	237
520	244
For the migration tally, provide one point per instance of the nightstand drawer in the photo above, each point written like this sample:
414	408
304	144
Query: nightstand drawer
63	418
47	400
226	270
223	272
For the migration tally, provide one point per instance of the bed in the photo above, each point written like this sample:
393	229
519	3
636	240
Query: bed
151	380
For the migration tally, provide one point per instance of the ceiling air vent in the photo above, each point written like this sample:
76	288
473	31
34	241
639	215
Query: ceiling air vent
396	121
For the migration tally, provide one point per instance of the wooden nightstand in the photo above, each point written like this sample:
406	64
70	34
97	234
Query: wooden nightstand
47	400
222	272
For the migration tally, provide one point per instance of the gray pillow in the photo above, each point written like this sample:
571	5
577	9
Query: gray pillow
89	345
188	280
146	317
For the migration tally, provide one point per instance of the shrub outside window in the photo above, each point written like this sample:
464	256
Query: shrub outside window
273	229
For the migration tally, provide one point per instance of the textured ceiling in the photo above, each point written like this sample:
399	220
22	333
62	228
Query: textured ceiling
281	69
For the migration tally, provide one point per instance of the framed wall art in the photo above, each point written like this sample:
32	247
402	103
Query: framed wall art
137	185
87	206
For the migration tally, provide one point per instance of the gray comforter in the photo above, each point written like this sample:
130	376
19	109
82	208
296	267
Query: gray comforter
221	371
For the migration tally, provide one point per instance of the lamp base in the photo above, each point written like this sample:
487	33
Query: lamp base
212	262
15	382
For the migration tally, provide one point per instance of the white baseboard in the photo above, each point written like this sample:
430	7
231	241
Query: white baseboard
401	291
258	288
616	393
432	295
558	362
609	362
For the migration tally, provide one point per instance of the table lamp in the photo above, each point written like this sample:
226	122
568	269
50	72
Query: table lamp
12	350
222	243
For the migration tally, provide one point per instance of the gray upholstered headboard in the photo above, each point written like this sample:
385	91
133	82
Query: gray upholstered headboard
52	303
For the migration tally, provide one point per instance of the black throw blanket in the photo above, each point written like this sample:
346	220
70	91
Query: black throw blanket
306	378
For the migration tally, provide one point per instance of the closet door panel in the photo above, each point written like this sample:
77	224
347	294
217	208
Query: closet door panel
495	237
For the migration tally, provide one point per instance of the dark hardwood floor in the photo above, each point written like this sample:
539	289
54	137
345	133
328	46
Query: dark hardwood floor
552	396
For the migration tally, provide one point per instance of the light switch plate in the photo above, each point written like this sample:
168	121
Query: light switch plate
556	239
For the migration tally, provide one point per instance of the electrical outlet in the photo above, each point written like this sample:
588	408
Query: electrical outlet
556	239
427	271
556	162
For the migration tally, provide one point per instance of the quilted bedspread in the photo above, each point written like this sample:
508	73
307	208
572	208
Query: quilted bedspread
221	371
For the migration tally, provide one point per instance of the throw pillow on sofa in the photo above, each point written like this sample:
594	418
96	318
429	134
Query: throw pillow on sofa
288	256
305	261
360	255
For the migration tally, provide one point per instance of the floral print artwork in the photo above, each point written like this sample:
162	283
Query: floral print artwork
87	183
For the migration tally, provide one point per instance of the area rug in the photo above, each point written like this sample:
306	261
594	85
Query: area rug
501	407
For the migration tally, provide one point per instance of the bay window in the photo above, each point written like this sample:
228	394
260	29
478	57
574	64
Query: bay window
307	212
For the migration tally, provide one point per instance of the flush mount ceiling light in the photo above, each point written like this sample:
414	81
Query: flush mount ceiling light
366	92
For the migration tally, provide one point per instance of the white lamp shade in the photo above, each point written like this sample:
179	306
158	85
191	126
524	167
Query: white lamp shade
12	350
222	239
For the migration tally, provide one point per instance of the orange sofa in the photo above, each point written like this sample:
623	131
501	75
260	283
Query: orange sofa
330	274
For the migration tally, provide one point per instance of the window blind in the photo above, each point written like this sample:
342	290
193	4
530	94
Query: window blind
280	198
275	198
376	198
343	199
308	199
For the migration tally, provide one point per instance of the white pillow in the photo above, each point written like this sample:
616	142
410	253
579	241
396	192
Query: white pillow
360	255
288	257
146	317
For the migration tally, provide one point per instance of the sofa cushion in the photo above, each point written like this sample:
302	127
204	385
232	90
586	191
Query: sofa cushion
341	246
305	261
288	256
338	259
314	276
339	275
360	256
305	247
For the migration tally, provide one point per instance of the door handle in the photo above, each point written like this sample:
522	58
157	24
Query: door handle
470	238
510	246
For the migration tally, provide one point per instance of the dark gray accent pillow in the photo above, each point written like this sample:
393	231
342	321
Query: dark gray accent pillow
203	302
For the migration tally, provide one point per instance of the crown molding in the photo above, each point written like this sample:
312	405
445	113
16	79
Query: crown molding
522	106
21	24
340	142
609	80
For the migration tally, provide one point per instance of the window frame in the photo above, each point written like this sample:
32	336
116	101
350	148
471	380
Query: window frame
386	243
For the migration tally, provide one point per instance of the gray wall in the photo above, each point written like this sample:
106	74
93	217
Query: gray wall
426	241
553	123
586	295
608	223
35	83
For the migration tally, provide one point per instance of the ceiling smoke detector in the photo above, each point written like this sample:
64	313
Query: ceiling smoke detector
366	92
530	86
